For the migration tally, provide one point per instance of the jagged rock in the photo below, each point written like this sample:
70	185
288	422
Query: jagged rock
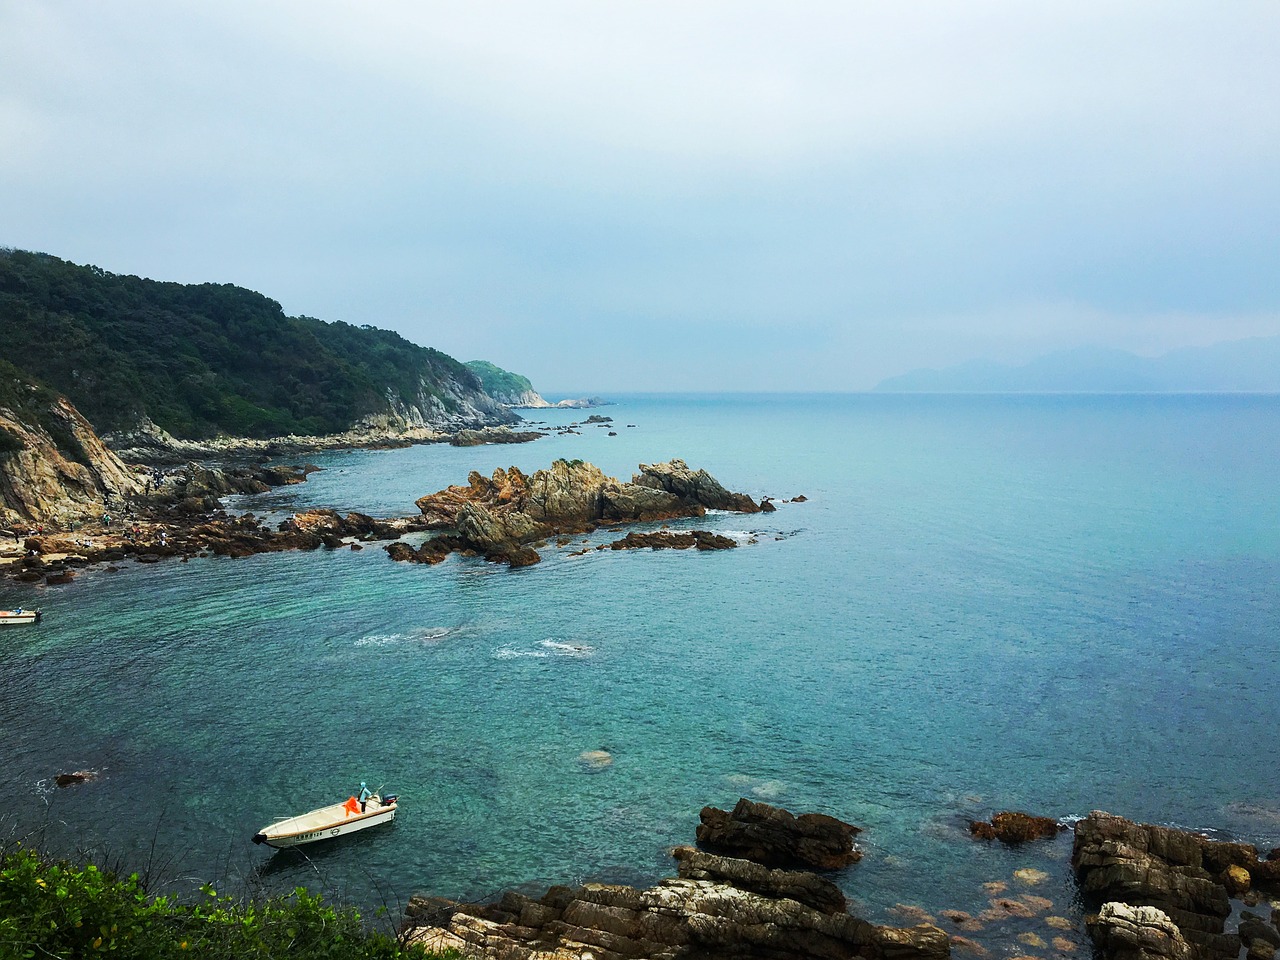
1176	871
672	540
1011	826
777	838
500	516
698	486
1124	932
71	779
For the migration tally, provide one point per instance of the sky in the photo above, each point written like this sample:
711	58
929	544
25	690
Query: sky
653	196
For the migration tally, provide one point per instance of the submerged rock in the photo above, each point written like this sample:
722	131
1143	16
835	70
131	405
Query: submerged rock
595	760
71	779
1011	826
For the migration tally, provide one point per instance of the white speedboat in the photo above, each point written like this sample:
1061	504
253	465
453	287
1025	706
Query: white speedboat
14	617
335	820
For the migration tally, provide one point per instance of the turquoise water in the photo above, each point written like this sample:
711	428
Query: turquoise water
1048	603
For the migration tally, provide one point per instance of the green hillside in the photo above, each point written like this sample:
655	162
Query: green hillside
498	382
205	359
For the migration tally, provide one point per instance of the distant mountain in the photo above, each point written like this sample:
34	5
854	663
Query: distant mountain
1236	366
202	360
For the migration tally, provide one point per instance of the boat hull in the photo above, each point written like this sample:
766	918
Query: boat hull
12	618
327	823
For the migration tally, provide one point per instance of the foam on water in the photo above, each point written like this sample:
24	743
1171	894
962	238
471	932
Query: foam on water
545	649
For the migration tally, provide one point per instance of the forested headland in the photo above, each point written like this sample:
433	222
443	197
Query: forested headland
206	360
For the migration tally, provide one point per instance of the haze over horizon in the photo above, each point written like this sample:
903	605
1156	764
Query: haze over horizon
646	197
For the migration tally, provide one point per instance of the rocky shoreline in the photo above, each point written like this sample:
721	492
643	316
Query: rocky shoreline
506	518
759	885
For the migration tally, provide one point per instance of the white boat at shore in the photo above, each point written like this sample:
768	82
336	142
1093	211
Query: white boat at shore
335	820
15	617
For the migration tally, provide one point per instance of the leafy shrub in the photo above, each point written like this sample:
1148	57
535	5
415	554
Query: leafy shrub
54	909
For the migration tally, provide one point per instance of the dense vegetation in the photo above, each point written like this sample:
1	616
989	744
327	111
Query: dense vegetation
203	359
52	909
498	382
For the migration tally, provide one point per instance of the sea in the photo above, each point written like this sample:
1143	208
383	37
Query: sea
1051	603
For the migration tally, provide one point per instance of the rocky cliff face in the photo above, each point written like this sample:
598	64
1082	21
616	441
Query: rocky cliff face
53	467
447	405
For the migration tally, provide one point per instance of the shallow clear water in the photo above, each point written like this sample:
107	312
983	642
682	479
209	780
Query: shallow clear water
1046	603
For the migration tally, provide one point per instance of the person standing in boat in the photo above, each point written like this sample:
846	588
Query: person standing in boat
365	794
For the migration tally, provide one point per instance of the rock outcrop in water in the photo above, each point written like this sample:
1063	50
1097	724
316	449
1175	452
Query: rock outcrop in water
1013	827
1185	877
674	540
716	907
499	517
776	838
476	438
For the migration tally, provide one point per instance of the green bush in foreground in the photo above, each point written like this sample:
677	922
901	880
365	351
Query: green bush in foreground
51	909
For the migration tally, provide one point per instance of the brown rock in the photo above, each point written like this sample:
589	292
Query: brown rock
71	779
52	465
1236	879
1013	827
496	516
671	540
777	838
1174	871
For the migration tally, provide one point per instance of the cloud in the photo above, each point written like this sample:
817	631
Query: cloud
480	174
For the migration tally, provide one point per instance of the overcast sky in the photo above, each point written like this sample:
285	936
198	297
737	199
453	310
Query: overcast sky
610	196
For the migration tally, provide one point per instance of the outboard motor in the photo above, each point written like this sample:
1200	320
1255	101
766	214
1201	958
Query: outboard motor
389	799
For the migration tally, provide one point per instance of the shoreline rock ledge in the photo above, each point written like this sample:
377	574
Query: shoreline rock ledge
1165	893
716	907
